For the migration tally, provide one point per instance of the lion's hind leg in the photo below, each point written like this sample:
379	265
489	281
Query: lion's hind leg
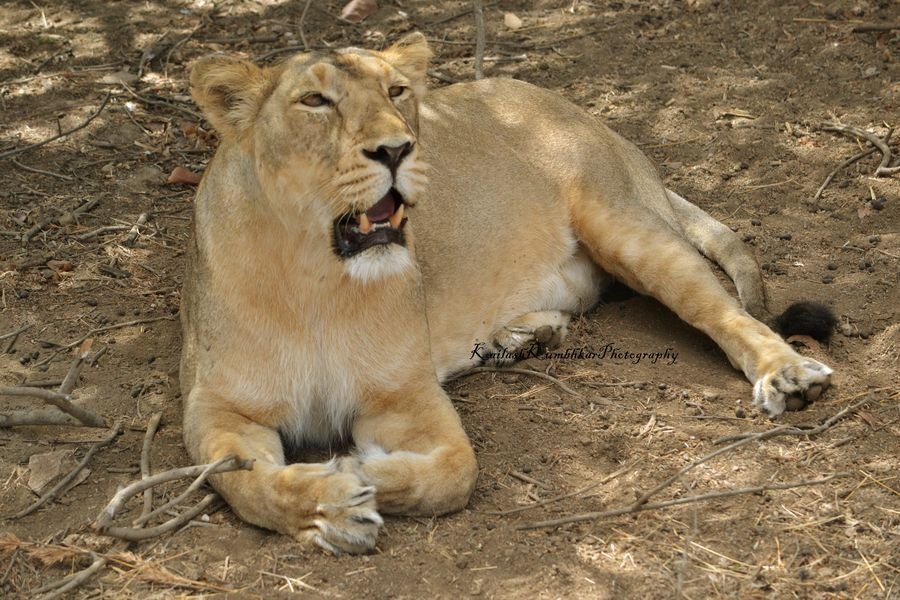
323	503
530	334
638	248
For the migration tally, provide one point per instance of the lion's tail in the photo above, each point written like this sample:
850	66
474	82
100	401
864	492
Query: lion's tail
718	243
721	245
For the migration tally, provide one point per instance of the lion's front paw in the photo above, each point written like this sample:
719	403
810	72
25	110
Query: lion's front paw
347	520
791	385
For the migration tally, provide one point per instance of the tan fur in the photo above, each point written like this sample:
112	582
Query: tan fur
526	204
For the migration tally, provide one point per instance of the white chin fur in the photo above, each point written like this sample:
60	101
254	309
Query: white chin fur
378	263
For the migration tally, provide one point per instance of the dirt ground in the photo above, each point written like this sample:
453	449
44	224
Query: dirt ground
726	97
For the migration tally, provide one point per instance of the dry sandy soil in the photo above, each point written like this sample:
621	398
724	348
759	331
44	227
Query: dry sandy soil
728	98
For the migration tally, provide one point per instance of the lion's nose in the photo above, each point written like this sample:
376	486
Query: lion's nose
390	156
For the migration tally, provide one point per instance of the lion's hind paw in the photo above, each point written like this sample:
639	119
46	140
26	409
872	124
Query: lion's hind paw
791	386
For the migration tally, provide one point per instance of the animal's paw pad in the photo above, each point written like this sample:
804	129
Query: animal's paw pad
791	386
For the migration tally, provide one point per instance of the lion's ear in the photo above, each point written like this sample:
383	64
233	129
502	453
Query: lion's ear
410	56
229	91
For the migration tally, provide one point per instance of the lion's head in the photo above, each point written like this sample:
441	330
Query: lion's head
330	140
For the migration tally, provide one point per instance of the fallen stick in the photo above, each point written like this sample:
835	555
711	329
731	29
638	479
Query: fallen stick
584	490
842	166
63	134
808	430
63	484
15	333
595	516
60	401
152	426
36	417
875	27
885	167
133	534
136	230
517	371
97	330
228	463
60	587
478	9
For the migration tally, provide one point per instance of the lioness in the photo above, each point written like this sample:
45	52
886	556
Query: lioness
355	240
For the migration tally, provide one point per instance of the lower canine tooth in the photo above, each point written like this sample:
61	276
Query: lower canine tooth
397	218
364	225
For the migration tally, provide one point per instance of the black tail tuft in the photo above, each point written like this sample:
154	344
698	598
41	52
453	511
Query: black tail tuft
806	318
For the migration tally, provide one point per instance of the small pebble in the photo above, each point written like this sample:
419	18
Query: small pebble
662	386
748	237
710	396
831	266
91	302
785	236
740	413
827	279
150	360
864	264
874	239
755	222
878	203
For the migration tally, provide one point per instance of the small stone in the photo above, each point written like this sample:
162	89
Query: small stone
827	279
847	329
785	236
91	302
150	360
878	203
865	264
748	237
662	386
755	222
831	266
874	239
510	379
740	413
710	396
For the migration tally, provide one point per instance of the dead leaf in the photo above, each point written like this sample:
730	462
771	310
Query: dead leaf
46	467
182	175
865	210
867	417
807	341
512	21
357	10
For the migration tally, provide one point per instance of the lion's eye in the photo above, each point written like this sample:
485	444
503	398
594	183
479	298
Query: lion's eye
314	100
395	91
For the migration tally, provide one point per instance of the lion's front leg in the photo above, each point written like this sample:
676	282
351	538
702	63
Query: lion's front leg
317	502
412	448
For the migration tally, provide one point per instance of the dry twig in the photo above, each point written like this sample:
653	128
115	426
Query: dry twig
135	230
885	167
595	516
478	9
200	472
804	430
63	134
488	369
584	490
97	330
300	25
152	426
60	398
60	587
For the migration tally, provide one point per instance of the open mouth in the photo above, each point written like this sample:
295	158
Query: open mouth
380	225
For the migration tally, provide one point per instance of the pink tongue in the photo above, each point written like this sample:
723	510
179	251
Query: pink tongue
382	210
